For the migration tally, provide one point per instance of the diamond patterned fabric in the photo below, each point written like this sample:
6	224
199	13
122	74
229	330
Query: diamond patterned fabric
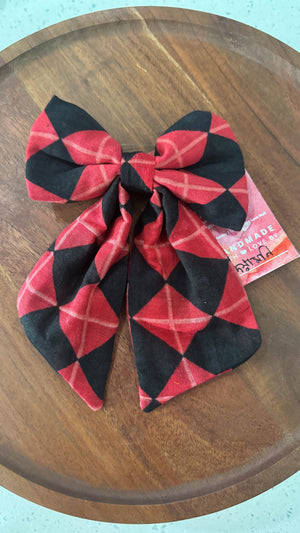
189	315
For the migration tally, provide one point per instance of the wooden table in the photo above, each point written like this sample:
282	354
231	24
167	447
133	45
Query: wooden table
137	71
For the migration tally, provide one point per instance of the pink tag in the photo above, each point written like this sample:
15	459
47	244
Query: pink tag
261	246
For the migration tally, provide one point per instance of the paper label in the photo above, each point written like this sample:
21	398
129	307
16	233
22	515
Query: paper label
261	246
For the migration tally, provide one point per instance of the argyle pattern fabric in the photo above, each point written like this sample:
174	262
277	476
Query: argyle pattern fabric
189	315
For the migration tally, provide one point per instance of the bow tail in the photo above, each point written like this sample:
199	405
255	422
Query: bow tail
190	317
70	303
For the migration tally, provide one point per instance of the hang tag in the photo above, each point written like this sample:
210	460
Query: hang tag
261	246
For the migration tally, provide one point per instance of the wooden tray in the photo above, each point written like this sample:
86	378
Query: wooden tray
137	71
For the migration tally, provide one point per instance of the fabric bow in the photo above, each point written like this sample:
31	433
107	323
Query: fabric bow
189	316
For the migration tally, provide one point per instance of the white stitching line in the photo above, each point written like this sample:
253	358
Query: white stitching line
195	320
74	373
175	148
231	307
152	246
189	237
166	181
44	135
85	322
218	128
92	153
98	187
206	234
116	243
179	153
40	294
78	220
169	303
101	145
244	191
32	276
188	372
91	319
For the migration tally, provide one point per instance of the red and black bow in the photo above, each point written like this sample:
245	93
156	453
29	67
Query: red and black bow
189	315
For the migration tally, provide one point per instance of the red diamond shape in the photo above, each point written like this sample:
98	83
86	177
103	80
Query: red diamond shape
94	181
115	247
172	318
160	255
144	398
88	227
35	192
144	165
186	376
90	147
88	321
240	192
42	134
188	186
38	291
180	148
74	375
219	126
191	234
234	305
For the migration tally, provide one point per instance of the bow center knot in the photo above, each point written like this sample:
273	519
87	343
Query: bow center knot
137	172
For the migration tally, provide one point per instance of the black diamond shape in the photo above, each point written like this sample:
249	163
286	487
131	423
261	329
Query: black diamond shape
68	118
200	280
149	215
128	155
54	175
113	284
152	405
155	360
170	207
128	206
222	345
194	121
131	180
96	365
144	282
222	161
59	151
110	203
91	276
224	211
43	330
69	269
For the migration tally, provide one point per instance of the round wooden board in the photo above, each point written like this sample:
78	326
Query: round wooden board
137	71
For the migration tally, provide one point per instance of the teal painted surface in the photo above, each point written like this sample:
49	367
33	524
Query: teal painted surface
275	511
279	18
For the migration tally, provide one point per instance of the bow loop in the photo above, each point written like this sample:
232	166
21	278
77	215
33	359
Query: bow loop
70	157
199	160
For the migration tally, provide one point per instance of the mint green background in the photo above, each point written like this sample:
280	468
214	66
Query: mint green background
279	18
275	511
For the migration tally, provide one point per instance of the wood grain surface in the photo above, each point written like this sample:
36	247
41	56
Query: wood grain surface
137	71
